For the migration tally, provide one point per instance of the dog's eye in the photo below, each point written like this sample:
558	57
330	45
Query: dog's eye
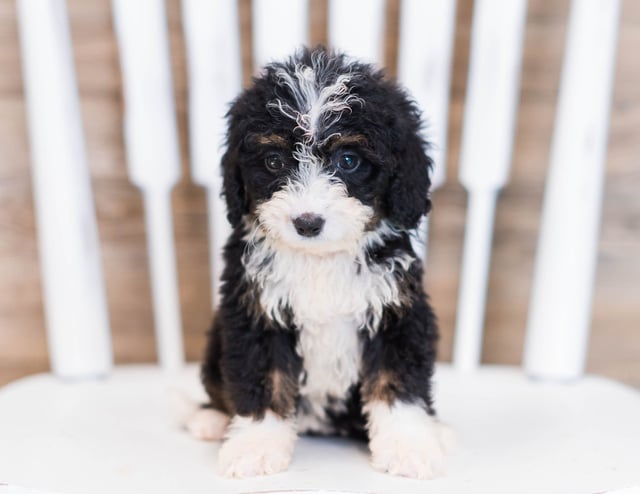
274	162
348	161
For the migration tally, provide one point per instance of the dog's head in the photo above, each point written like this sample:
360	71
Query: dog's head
322	149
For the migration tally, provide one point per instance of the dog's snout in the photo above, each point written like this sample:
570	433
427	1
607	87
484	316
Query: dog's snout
308	224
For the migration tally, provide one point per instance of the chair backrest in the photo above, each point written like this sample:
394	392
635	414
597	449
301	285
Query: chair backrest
77	320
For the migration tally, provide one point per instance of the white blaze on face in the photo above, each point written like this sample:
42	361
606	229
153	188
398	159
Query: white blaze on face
315	108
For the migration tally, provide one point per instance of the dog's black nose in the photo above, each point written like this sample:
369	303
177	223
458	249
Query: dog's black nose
308	224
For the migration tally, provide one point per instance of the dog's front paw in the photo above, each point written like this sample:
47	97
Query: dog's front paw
255	448
405	441
408	456
247	457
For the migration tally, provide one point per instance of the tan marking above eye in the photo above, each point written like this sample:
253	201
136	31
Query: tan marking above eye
273	140
338	140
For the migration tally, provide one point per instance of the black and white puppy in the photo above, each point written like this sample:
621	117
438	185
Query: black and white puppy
324	327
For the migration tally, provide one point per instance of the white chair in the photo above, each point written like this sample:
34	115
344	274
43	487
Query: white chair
88	428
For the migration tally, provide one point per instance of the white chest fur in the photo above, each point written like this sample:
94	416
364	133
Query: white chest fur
330	302
331	297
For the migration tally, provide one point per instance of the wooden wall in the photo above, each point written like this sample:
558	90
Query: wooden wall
615	342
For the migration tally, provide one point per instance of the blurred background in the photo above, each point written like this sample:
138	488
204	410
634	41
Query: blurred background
615	337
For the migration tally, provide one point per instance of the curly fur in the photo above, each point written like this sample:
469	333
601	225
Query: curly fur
316	329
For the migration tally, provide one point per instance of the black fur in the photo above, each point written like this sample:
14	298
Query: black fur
246	346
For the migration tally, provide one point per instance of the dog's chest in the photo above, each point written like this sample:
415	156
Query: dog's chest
329	303
316	289
331	299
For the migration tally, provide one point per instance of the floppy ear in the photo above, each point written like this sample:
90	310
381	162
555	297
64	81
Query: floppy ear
233	187
407	196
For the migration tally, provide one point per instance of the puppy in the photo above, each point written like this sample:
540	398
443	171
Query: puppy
323	327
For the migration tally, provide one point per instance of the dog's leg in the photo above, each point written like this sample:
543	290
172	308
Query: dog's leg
405	438
262	446
262	443
257	376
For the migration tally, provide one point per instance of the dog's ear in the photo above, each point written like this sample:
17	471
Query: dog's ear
407	196
233	187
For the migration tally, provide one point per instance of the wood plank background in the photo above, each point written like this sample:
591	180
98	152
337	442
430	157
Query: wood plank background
615	341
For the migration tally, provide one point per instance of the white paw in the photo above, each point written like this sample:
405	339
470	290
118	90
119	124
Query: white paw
405	441
244	457
208	424
255	448
407	456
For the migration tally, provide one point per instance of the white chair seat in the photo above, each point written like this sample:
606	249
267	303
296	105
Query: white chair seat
514	435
